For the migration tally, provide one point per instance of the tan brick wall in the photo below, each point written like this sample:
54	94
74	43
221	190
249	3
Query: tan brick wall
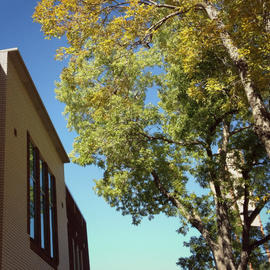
3	71
22	116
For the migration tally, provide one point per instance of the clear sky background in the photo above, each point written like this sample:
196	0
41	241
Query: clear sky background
114	243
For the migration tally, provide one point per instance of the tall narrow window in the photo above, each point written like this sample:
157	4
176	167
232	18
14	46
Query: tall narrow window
42	204
81	253
52	215
78	257
74	254
42	222
32	191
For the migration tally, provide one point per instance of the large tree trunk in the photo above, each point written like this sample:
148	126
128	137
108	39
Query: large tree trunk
223	252
224	255
260	114
244	261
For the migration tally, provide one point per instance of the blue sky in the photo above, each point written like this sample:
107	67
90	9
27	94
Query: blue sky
114	243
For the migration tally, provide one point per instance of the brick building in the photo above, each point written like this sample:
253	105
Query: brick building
40	225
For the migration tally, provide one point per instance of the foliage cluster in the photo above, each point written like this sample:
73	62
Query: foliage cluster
208	64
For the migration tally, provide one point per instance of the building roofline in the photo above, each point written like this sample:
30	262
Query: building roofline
16	58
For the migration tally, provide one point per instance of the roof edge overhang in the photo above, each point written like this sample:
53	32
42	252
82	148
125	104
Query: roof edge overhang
16	58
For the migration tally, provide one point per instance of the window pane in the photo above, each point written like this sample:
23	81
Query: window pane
81	260
78	257
51	233
31	159
32	207
74	254
50	188
42	203
51	215
32	191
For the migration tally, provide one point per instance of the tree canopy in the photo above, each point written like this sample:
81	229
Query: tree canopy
207	62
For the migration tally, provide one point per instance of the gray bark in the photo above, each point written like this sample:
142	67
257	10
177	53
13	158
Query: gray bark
223	253
260	114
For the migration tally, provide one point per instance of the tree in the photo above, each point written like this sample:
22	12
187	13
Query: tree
201	131
202	259
241	28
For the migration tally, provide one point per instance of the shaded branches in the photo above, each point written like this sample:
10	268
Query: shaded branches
189	214
258	243
170	141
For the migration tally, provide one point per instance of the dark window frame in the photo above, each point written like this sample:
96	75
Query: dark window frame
77	236
35	243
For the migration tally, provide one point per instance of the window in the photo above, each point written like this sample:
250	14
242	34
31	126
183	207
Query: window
77	254
77	236
42	222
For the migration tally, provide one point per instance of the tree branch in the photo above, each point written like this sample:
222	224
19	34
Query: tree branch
259	111
148	37
240	130
162	138
220	119
192	217
258	209
158	25
150	2
259	242
246	206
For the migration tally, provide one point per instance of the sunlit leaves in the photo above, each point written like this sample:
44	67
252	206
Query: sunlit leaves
121	53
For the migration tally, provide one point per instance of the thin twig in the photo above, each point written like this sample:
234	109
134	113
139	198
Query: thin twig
150	2
153	138
240	130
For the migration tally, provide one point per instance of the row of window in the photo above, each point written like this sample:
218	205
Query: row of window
77	256
42	222
77	236
42	216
